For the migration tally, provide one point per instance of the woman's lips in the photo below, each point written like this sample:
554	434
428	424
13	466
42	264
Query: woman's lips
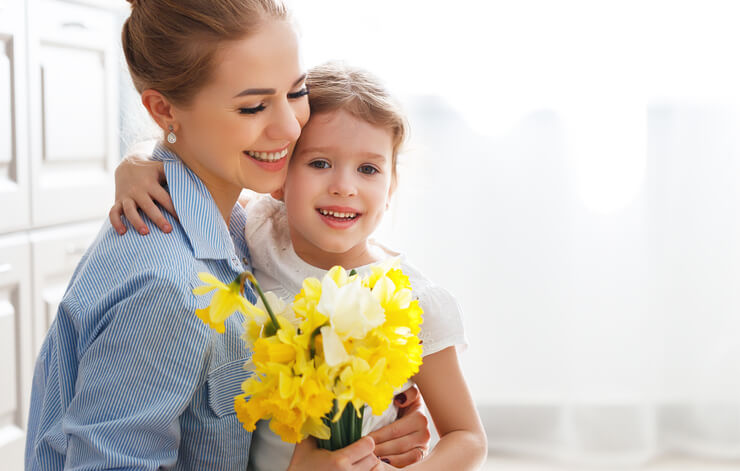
272	161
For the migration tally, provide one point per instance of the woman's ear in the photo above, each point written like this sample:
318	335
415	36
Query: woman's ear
159	108
278	194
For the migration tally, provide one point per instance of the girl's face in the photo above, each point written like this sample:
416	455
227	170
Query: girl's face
241	127
338	188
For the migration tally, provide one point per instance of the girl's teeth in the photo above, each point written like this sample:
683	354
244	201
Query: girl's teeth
268	156
338	215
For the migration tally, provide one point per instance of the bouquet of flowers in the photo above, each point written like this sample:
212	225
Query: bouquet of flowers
344	342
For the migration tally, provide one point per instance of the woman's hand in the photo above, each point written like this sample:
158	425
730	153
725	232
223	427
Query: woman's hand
406	440
358	456
138	185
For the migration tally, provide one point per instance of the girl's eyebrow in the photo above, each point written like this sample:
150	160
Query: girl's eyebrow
266	91
328	150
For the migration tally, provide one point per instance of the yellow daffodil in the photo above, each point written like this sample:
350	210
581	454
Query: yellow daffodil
343	340
225	301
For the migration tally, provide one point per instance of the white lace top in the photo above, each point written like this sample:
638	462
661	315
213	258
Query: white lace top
280	270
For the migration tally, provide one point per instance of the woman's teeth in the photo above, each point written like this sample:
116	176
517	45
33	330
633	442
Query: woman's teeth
268	156
338	215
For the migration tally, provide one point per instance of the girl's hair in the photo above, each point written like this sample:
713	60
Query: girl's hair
170	45
337	86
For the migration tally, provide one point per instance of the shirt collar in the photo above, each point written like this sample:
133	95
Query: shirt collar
198	214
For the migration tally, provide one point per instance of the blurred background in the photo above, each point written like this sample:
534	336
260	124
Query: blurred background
571	177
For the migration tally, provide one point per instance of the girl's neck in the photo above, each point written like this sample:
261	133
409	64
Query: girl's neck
357	256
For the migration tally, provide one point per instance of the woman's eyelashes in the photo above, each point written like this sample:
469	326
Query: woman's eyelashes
300	93
261	107
252	110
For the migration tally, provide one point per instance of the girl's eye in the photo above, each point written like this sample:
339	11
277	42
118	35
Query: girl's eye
319	164
300	93
254	110
368	170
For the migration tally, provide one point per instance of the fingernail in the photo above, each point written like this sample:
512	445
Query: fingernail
401	398
143	232
167	228
385	460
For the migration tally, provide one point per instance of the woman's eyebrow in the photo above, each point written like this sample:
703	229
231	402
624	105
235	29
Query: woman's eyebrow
266	91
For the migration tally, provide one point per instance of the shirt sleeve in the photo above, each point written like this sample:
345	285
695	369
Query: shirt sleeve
442	326
136	376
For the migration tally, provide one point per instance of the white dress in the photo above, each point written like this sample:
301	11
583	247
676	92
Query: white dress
279	269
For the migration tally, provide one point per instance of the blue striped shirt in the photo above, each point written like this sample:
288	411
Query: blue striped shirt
128	378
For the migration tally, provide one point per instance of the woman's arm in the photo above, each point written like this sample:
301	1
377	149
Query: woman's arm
463	444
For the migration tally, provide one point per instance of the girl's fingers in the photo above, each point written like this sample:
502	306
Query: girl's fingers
132	214
153	212
115	219
160	195
359	450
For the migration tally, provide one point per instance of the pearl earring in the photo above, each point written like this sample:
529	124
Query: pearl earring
171	138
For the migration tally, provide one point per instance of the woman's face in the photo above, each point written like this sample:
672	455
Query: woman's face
240	129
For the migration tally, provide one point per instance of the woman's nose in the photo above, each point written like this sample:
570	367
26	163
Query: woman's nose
285	124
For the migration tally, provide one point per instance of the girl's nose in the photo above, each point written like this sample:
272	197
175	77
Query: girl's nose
342	185
285	124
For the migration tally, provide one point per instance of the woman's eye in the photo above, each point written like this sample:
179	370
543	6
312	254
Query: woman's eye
300	93
368	170
254	110
319	164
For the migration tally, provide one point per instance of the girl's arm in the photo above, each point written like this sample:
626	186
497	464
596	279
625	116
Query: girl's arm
463	444
139	183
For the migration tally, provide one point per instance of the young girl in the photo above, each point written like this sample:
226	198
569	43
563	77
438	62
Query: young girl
339	184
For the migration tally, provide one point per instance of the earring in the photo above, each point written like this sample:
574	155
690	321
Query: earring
171	138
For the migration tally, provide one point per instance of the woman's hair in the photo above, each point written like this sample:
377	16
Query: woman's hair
170	45
337	86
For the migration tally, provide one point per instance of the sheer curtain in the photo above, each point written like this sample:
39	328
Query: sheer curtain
572	178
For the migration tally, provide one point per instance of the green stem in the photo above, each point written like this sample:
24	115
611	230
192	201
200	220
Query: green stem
250	277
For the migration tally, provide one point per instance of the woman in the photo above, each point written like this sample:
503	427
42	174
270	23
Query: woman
128	377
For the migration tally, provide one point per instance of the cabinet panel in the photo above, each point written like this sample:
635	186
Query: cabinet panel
15	347
56	253
74	110
14	179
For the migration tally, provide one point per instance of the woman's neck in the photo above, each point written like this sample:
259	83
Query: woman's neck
223	193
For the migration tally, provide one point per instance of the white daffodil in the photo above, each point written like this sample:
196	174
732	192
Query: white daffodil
352	309
334	352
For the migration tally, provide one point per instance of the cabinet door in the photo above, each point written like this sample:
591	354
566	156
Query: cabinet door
74	110
56	253
16	360
14	191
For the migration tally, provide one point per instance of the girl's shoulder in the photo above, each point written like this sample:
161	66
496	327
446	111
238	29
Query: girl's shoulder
264	215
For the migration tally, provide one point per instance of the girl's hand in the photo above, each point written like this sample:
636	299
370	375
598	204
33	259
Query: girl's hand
138	185
406	440
358	456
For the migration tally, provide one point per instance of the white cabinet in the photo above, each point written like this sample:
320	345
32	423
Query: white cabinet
73	67
60	64
16	360
14	182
